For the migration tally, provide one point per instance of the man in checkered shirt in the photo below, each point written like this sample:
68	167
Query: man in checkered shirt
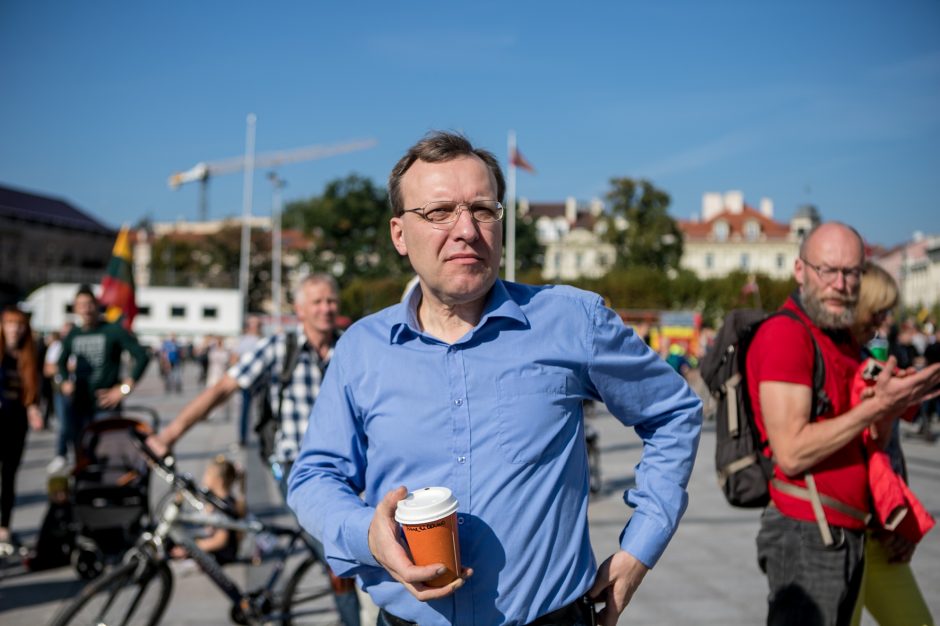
316	303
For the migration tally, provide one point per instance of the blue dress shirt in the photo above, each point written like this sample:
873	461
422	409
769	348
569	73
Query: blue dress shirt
497	418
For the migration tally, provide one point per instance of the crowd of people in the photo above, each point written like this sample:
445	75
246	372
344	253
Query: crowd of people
477	384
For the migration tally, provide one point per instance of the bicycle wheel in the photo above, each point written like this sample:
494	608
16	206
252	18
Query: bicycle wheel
308	597
136	593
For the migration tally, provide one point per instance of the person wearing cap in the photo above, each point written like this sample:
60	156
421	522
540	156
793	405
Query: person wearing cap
476	384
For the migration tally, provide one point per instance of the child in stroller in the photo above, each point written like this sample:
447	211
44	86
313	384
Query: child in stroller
110	491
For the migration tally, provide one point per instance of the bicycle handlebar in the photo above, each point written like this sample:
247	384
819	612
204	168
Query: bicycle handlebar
185	482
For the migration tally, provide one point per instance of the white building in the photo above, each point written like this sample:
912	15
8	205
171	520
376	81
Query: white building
186	312
915	265
731	235
570	235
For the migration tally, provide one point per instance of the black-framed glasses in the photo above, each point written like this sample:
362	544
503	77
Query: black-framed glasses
443	213
851	275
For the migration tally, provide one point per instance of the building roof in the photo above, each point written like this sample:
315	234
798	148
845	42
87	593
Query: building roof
546	209
37	209
702	231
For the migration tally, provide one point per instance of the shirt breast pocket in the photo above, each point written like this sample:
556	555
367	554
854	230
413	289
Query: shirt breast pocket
534	416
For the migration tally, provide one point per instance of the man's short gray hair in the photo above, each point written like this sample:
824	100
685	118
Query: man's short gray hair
315	279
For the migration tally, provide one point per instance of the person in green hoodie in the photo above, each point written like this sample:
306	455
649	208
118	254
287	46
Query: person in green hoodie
90	367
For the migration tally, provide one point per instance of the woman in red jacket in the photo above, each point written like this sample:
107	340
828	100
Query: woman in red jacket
889	590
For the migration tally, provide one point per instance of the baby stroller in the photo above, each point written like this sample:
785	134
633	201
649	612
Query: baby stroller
110	489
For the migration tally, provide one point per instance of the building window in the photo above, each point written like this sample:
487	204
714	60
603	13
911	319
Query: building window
780	261
558	261
210	312
177	312
751	230
720	230
745	260
579	261
709	260
143	310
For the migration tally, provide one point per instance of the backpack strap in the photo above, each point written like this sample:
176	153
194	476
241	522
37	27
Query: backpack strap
291	358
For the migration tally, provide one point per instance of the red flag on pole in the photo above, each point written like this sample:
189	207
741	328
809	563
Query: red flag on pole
519	161
117	286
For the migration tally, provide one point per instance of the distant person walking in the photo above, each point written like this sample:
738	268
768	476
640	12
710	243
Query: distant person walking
19	406
90	367
246	345
170	363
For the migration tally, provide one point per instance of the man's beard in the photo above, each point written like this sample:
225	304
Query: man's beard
823	317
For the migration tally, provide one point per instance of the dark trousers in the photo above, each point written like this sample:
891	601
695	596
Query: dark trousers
578	613
810	584
12	442
245	419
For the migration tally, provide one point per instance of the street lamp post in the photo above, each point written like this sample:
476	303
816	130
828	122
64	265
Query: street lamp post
277	184
246	212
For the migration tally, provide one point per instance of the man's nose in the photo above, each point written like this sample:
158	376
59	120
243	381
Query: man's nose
465	226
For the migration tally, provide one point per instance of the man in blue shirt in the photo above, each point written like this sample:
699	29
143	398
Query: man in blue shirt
476	384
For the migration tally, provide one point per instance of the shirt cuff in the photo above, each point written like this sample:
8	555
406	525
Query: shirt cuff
357	536
644	539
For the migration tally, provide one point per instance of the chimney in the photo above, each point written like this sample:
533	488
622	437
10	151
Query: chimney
767	208
734	202
597	207
711	205
523	207
571	209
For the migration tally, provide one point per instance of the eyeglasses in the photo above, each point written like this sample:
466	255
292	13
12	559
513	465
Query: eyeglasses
851	275
443	213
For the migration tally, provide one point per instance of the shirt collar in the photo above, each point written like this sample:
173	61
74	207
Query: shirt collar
499	303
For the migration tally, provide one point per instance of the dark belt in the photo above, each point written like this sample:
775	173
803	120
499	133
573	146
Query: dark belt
569	615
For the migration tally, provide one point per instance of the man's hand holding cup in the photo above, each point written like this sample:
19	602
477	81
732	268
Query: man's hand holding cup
433	576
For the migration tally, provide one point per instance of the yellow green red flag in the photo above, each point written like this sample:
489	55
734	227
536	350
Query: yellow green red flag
117	286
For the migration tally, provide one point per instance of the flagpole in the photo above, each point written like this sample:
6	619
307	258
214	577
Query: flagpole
511	212
246	212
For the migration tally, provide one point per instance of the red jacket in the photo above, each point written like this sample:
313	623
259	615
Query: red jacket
896	506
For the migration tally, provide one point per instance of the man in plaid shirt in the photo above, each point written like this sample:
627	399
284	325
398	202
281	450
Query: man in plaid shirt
316	303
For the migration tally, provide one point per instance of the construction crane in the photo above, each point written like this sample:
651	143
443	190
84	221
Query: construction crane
203	171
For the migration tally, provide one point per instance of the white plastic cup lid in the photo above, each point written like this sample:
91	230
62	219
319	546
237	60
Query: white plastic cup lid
426	505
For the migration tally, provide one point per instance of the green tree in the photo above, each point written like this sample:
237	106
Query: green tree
639	226
530	255
349	228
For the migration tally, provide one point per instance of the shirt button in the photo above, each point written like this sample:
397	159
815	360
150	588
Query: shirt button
461	459
460	520
459	401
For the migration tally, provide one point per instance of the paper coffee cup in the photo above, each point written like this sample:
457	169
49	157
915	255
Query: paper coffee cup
429	518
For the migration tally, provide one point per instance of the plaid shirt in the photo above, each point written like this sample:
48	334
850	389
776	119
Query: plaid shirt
264	365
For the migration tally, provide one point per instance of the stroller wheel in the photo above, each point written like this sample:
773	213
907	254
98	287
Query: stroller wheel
88	562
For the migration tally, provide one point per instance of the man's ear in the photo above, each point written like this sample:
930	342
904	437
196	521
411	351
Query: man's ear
798	271
398	235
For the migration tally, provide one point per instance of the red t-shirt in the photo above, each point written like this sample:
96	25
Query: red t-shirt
782	351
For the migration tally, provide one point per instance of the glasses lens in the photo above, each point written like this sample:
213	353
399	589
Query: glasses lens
487	211
440	212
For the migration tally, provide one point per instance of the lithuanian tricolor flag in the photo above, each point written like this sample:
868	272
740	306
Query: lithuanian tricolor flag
117	287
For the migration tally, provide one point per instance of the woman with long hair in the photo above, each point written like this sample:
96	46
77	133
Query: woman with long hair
889	590
19	406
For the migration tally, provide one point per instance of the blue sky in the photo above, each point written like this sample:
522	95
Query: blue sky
832	103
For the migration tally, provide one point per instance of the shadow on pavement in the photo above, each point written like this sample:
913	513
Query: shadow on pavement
39	592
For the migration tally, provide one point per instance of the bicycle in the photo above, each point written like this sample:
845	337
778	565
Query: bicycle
138	590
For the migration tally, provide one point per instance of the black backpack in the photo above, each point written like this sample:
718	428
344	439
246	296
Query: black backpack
742	457
268	420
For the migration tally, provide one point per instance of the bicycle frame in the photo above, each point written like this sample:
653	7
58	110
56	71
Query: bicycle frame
172	522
